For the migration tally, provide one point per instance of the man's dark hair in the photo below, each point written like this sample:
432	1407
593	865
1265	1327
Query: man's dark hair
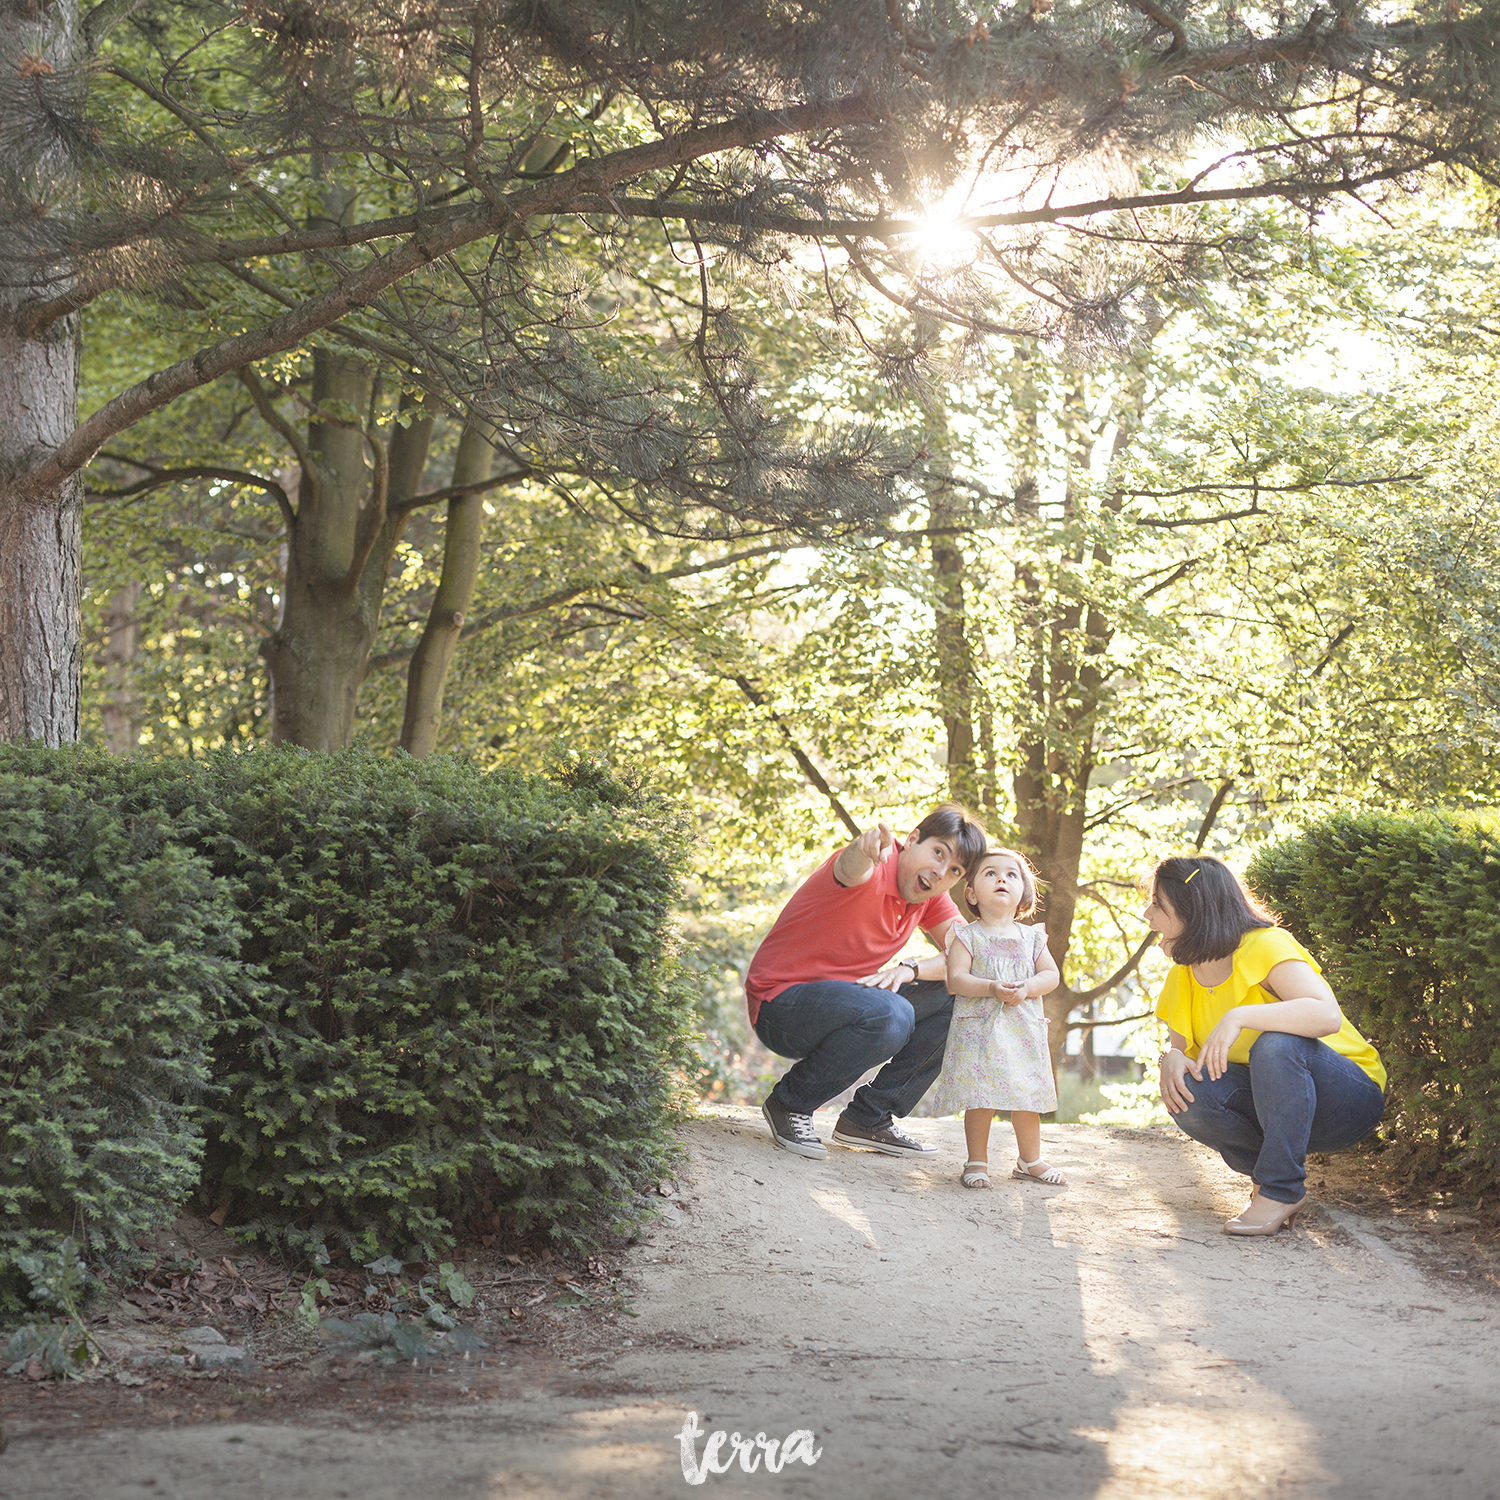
952	822
1214	907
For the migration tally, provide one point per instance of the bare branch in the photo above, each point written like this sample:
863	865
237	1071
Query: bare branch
458	491
813	774
1176	575
156	478
504	613
1333	646
1085	997
1212	815
1145	1015
276	422
1214	486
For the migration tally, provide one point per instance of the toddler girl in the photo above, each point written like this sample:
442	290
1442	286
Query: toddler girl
997	1053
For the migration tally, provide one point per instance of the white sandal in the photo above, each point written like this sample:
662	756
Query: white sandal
976	1174
1052	1177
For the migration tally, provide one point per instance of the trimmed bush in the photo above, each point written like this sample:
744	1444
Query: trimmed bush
1404	913
116	970
457	997
469	999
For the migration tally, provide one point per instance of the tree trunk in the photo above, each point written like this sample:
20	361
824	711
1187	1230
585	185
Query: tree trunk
1067	678
428	673
952	648
318	650
1055	731
119	708
40	539
331	604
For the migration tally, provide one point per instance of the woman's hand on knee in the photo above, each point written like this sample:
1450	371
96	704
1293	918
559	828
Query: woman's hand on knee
1214	1053
1175	1066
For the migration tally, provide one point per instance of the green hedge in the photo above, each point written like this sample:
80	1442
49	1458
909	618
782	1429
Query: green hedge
116	970
455	997
1404	914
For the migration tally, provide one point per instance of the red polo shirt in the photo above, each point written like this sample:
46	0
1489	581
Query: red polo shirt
833	931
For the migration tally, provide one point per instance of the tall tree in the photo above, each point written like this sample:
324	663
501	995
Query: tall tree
358	172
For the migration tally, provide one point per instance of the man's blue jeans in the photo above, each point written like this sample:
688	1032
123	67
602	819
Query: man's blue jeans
840	1030
1297	1095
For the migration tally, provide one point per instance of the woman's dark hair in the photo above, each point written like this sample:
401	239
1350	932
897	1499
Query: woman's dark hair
952	822
1212	904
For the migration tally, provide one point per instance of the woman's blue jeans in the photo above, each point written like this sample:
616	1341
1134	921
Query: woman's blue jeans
840	1030
1297	1095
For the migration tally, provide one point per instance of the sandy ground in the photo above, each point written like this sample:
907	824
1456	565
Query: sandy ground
1103	1340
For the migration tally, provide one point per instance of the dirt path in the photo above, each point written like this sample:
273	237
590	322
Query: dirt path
1100	1341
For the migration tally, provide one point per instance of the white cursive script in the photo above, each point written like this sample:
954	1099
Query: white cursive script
749	1451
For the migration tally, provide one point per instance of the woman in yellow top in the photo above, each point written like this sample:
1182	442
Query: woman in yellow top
1277	1071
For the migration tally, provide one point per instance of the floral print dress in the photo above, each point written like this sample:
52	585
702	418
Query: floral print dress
997	1054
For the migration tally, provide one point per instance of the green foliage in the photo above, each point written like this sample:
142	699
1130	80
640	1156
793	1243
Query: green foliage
307	1305
1404	913
448	985
454	1285
468	983
391	1341
58	1280
62	1349
116	968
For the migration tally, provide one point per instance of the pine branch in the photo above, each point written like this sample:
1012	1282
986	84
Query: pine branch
917	307
882	228
360	288
1164	19
195	124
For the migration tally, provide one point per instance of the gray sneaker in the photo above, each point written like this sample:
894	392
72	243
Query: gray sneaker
791	1132
891	1139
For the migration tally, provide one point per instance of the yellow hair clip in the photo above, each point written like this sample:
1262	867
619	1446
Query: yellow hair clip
1191	878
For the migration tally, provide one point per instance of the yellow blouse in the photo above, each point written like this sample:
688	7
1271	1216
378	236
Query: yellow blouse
1192	1010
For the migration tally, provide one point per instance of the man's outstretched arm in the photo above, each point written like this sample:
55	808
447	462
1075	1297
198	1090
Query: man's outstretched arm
857	862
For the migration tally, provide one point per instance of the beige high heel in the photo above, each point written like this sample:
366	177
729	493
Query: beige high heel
1264	1215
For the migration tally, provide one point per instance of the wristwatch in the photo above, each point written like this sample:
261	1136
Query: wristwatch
916	975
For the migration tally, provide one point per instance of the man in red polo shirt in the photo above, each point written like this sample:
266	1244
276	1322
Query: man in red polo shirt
819	991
